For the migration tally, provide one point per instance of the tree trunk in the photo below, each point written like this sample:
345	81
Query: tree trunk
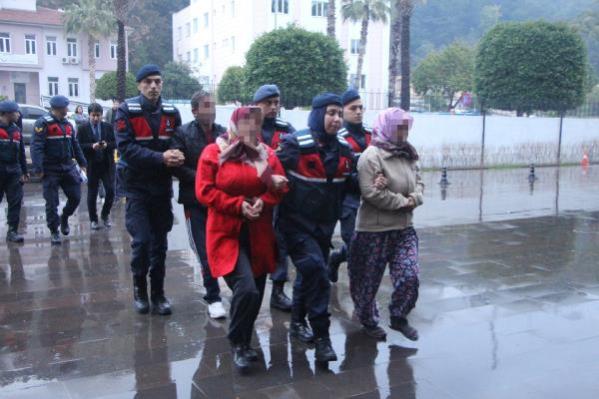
121	9
331	19
394	46
91	58
362	49
406	14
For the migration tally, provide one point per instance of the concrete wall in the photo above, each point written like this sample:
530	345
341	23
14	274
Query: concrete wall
455	141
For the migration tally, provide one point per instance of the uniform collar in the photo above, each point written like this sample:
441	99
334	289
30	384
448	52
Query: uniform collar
354	128
146	105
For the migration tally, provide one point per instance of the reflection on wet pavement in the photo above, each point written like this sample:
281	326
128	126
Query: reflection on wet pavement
508	308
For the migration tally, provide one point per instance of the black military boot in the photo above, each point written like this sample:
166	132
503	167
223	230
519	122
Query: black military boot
13	236
324	350
335	259
64	225
140	295
278	299
160	305
240	359
55	238
301	331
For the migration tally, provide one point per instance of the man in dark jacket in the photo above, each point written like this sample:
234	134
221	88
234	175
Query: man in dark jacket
191	139
97	142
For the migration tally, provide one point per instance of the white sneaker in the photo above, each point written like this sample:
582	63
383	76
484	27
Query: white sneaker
216	310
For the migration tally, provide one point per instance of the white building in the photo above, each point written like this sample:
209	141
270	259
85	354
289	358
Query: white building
38	58
212	35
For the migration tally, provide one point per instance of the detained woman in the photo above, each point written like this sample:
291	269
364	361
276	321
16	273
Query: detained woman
240	180
391	188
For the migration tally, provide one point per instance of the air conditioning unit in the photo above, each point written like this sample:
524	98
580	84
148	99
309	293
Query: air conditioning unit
65	60
73	60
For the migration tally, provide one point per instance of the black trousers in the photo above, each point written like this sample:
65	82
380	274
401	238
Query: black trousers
95	176
248	292
10	184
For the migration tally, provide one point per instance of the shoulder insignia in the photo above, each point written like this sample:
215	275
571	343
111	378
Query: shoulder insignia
343	141
38	129
343	132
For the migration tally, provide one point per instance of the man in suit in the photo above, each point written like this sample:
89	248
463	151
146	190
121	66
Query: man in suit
98	144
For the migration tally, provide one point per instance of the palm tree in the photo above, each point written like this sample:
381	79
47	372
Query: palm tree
364	11
121	9
95	18
331	19
406	8
394	47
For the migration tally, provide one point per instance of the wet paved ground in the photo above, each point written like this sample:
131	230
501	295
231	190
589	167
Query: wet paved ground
508	308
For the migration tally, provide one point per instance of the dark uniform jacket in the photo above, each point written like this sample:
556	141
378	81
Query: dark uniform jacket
273	131
12	151
358	137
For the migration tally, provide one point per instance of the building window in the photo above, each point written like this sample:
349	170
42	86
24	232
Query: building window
72	47
352	79
113	51
196	55
73	87
4	42
195	25
206	51
355	46
51	45
188	57
280	6
187	29
97	50
30	44
52	86
319	8
206	19
232	44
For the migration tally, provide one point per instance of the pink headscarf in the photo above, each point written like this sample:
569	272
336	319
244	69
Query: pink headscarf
384	130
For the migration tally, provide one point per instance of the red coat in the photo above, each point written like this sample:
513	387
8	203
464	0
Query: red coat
223	189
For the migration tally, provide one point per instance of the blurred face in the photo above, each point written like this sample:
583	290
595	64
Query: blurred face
270	107
400	134
354	112
333	119
79	110
248	129
205	113
95	117
115	104
150	87
9	117
60	113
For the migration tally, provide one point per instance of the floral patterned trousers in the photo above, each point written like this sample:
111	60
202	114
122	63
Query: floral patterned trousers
369	254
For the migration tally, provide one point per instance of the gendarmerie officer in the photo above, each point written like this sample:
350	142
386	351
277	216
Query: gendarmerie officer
13	166
268	99
144	127
53	148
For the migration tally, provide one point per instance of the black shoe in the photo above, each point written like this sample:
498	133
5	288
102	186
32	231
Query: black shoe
13	236
278	299
95	226
324	350
140	295
401	324
301	331
106	222
335	260
250	353
240	359
160	305
375	332
55	238
64	225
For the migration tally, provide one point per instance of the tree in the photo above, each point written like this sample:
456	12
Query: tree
406	8
95	18
231	86
446	73
364	11
331	19
394	47
301	63
107	86
178	81
121	9
587	25
531	66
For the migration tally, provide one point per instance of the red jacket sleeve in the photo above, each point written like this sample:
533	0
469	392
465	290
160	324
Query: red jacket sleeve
271	197
207	192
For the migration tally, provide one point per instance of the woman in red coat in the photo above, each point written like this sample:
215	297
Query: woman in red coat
240	181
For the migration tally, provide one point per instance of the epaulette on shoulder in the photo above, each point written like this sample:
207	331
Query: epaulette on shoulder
305	139
48	118
134	105
281	123
169	109
343	132
343	141
367	128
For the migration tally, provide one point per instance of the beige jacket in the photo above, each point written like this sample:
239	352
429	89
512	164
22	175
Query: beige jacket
384	210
